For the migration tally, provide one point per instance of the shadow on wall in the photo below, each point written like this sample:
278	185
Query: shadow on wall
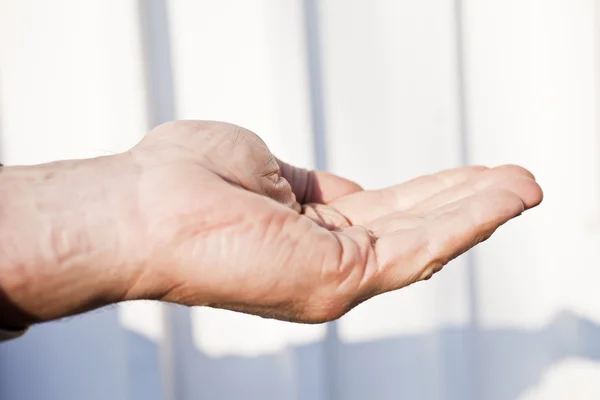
430	366
90	357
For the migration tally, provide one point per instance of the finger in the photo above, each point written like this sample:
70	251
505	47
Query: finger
316	186
325	216
502	176
408	256
363	207
525	188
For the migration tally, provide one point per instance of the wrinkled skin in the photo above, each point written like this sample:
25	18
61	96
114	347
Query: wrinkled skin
318	245
204	214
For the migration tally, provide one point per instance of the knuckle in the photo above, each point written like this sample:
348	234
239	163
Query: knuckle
179	125
236	133
194	127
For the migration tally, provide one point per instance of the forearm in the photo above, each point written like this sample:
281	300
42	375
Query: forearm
59	240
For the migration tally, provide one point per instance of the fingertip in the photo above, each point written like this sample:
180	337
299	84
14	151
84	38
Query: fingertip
536	195
346	185
333	187
515	170
528	190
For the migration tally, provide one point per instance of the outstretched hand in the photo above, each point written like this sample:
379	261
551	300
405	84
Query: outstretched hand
242	230
201	213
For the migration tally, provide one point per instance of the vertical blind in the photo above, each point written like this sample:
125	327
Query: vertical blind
379	91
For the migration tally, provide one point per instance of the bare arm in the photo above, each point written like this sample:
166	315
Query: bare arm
201	213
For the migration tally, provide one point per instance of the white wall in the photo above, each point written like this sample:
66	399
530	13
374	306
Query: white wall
379	91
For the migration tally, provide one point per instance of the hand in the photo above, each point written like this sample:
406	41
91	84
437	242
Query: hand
201	213
233	227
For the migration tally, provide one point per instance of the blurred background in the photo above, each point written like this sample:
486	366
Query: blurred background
379	91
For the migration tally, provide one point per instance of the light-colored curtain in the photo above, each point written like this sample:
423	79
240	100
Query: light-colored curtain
379	91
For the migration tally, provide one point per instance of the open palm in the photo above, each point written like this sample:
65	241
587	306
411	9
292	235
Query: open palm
242	230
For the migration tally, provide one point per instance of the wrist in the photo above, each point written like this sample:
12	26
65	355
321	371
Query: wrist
60	239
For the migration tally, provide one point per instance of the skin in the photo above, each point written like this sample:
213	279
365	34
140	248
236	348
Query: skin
201	213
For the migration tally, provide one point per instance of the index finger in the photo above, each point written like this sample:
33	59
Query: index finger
364	207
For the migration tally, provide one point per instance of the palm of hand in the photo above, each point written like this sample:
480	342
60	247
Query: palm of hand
230	226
